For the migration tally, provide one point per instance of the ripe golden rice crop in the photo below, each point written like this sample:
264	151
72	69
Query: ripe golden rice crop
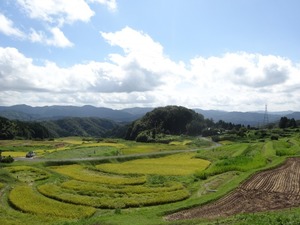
179	164
112	200
14	154
78	172
28	173
26	199
92	187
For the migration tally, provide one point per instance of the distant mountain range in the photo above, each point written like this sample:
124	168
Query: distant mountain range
29	113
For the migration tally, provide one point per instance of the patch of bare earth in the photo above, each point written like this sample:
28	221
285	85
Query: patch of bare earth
268	190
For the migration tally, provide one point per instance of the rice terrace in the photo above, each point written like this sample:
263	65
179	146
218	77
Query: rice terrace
226	174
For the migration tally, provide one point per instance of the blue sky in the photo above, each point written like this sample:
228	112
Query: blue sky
210	54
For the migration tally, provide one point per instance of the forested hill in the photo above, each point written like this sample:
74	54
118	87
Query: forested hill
167	120
86	127
75	126
16	129
29	113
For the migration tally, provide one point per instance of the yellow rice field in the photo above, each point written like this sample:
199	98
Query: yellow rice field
28	173
178	164
81	173
112	200
100	188
26	199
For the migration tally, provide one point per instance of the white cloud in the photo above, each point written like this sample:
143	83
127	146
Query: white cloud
7	27
252	70
54	14
57	11
144	76
111	4
140	49
58	38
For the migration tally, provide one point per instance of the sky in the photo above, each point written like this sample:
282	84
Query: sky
232	55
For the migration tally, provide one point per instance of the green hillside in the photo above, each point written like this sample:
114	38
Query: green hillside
75	126
86	127
27	130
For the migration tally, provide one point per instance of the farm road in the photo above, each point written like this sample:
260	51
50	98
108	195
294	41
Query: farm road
160	153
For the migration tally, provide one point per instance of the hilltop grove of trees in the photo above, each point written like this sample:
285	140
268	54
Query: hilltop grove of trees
174	120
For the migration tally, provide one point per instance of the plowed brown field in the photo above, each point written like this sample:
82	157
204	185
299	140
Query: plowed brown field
268	190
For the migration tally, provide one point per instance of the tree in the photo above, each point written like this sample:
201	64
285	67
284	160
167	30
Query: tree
194	128
292	123
283	123
173	120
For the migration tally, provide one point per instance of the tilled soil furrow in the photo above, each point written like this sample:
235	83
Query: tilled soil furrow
268	190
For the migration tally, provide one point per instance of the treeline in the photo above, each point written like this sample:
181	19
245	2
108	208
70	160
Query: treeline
26	130
285	122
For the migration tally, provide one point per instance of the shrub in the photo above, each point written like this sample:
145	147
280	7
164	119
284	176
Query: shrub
7	159
274	137
142	137
215	138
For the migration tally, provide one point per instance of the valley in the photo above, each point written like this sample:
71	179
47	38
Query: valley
191	171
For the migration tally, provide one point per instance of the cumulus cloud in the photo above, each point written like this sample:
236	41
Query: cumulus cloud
7	27
141	50
111	4
57	11
144	75
242	79
58	38
53	14
62	11
18	73
252	70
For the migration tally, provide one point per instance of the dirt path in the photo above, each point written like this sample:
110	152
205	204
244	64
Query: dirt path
37	159
269	190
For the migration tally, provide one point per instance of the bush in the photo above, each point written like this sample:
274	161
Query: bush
7	159
215	138
142	137
274	137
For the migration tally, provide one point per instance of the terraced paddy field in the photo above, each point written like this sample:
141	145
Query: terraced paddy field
79	191
208	185
268	190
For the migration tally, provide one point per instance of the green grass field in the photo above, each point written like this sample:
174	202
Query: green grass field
134	190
